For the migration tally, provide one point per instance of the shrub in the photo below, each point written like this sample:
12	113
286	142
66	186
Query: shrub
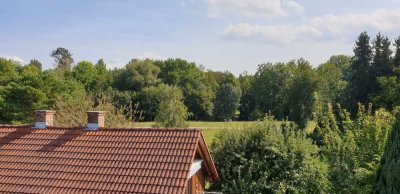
268	157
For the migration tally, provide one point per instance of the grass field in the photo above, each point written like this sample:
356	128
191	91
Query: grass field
210	129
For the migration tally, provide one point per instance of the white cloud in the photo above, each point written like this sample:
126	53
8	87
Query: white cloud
151	55
116	63
271	34
337	26
15	58
324	27
253	8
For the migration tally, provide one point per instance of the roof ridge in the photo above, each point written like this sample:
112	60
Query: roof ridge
103	128
16	126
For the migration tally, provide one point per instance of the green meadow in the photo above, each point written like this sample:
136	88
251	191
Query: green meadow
210	129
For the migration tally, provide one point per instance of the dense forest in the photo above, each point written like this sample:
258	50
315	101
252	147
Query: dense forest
353	103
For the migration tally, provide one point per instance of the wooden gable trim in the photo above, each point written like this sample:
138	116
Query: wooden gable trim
193	158
204	153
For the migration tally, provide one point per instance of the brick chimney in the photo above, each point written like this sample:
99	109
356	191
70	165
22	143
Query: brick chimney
44	118
95	120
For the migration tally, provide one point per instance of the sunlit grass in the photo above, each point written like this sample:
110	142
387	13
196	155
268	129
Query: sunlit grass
210	129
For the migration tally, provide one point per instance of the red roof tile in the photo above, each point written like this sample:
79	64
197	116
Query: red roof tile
72	160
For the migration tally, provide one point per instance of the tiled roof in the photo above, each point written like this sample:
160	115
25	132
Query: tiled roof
72	160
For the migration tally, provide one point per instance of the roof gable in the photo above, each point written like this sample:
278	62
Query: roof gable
71	160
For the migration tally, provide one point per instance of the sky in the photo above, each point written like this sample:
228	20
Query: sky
233	35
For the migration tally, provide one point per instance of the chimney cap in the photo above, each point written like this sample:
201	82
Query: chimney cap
94	111
95	119
44	118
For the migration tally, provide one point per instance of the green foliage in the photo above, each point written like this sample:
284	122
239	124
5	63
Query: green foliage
302	88
226	102
271	83
369	63
389	87
137	75
353	148
331	84
31	75
396	59
247	99
286	90
20	92
382	64
343	62
171	111
268	158
35	63
150	98
71	110
388	176
198	92
19	102
8	71
256	115
361	84
93	77
85	73
103	78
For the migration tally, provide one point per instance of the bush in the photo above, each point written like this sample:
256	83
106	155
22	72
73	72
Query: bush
353	147
268	157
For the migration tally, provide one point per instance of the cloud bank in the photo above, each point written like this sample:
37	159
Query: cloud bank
15	58
253	8
325	27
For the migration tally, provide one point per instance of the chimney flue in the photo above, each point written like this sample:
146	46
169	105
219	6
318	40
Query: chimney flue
44	118
95	120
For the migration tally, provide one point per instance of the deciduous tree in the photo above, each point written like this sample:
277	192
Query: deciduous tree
226	102
137	75
171	112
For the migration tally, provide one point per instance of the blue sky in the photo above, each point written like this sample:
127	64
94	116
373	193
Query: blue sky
234	35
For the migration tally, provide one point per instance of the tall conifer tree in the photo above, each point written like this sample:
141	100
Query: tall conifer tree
361	82
382	65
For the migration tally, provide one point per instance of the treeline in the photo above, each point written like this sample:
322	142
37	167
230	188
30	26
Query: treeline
289	91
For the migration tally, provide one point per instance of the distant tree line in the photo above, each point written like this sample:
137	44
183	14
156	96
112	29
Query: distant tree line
289	91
